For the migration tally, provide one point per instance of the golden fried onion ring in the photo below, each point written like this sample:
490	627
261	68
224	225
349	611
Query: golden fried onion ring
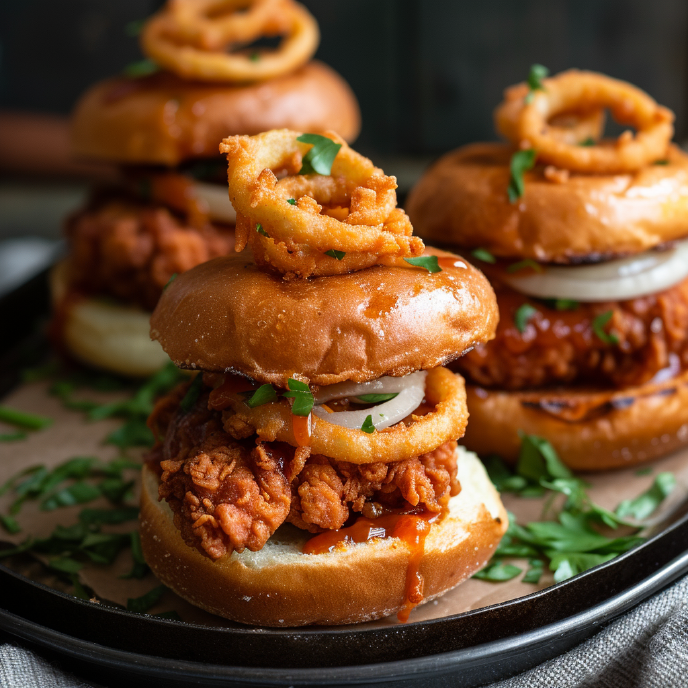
443	389
191	38
573	91
570	127
353	210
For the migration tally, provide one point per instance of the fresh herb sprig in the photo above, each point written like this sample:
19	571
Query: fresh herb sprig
537	73
573	542
319	159
521	162
598	325
302	396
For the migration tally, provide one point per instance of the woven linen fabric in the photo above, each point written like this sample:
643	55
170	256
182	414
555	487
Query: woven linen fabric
646	648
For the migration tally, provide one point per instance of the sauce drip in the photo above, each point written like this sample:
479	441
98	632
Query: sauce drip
301	425
451	262
411	528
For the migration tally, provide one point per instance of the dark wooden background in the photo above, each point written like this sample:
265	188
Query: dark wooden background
427	73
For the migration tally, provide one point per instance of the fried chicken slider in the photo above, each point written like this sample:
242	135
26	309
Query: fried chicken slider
161	123
310	473
586	243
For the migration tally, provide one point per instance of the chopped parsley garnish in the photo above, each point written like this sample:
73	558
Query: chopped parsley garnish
368	425
254	57
598	325
169	281
660	162
320	157
537	73
13	436
301	394
523	264
263	395
332	253
376	398
428	262
484	255
522	315
142	68
291	201
192	394
140	605
561	304
30	421
645	504
498	571
572	543
586	143
260	230
521	161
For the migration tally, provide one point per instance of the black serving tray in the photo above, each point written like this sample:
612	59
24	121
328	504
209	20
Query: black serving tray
114	646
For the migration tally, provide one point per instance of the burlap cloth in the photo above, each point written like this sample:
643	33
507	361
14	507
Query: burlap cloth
646	648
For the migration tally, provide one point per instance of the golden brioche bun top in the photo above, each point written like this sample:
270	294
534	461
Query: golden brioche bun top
462	201
163	120
228	315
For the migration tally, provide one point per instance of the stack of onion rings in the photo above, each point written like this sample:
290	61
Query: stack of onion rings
352	211
582	94
192	37
443	389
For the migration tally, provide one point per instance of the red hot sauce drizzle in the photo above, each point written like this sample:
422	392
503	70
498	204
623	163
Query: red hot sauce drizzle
412	528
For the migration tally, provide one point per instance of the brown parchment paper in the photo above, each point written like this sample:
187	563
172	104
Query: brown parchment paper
70	435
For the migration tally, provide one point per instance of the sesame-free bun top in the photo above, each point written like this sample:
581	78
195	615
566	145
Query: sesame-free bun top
462	201
163	120
228	315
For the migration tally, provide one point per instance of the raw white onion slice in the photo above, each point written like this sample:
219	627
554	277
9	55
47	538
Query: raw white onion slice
627	278
217	199
410	391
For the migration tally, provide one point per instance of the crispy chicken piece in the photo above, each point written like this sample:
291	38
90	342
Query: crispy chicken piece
229	494
561	346
129	250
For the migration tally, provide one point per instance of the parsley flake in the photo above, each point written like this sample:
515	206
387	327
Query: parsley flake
169	281
522	315
260	230
645	504
498	571
523	264
368	425
263	395
319	159
30	421
521	161
586	143
561	304
660	162
332	253
598	325
376	398
141	68
291	201
428	262
484	255
537	73
301	394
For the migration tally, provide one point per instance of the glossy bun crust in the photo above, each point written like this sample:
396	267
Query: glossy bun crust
162	119
281	586
227	314
591	430
462	201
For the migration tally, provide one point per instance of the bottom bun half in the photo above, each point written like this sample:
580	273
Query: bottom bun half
104	334
590	430
281	586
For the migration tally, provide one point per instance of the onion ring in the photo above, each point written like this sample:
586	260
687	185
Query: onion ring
572	91
352	211
191	37
572	127
443	389
410	391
